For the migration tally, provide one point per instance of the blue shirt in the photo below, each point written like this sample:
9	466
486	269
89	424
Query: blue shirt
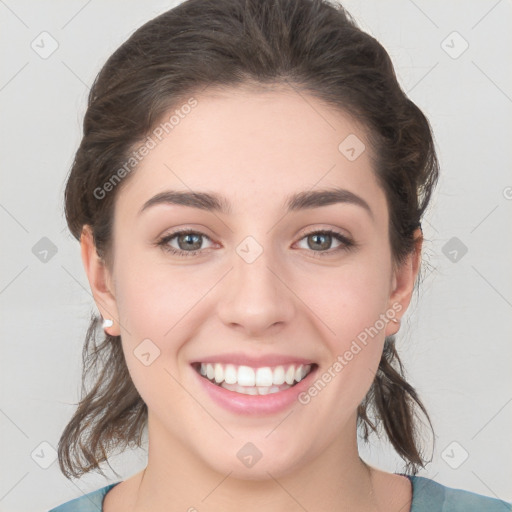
427	496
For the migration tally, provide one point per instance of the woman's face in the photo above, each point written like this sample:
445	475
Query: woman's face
259	288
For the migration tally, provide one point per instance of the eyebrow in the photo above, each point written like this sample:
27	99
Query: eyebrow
295	202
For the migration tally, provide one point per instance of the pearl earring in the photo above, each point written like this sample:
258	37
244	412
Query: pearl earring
107	323
394	320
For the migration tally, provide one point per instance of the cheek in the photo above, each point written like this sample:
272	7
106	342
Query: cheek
153	302
349	300
351	304
153	298
162	304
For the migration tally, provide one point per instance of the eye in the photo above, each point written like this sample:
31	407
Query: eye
189	242
319	241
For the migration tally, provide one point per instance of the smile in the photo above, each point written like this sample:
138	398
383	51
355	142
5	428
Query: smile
254	381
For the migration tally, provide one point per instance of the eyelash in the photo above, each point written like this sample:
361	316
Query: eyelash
346	243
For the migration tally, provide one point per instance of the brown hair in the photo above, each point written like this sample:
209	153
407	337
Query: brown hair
311	45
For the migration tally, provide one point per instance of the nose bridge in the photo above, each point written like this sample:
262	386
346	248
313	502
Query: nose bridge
254	297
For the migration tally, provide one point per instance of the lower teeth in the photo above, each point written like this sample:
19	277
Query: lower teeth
254	390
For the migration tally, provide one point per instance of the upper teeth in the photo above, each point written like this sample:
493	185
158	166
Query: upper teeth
247	376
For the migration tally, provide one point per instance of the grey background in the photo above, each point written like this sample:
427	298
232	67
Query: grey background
455	341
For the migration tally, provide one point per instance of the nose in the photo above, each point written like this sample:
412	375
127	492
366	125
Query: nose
256	298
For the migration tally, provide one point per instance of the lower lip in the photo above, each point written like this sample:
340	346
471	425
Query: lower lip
255	404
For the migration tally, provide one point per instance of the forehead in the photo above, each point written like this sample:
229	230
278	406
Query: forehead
255	146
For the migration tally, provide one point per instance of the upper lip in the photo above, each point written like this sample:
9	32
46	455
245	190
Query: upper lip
239	359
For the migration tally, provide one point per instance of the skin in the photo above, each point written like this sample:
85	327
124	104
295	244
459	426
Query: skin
255	148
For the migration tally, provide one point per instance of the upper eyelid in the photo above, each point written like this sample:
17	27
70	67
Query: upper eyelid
309	231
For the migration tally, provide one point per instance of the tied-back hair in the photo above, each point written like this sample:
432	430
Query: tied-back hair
312	46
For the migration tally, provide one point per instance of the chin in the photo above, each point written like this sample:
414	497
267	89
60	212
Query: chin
250	463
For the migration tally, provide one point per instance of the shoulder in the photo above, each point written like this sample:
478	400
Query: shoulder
91	502
429	496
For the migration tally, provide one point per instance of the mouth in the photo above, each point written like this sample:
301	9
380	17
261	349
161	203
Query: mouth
249	380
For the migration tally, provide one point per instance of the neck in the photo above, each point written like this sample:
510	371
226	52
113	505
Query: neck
175	477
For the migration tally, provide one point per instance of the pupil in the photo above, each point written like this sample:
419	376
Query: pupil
188	242
325	236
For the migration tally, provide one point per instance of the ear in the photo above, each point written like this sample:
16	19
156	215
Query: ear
403	281
100	280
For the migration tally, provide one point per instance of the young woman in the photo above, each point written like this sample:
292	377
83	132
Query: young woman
248	197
